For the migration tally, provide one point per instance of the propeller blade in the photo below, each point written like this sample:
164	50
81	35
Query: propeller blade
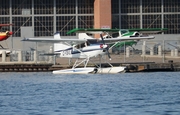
107	48
102	39
108	54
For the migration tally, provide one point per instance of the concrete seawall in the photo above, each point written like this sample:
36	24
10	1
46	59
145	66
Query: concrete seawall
134	63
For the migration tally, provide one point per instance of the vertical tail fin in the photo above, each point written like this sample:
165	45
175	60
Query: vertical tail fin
84	35
57	35
59	46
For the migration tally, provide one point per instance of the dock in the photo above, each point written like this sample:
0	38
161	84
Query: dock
153	67
132	64
25	67
147	66
130	67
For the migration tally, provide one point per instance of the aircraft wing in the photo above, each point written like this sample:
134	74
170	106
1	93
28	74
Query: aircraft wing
113	40
92	30
52	40
1	25
149	30
79	41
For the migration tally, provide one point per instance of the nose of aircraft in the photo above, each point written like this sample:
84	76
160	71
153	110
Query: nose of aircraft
103	46
10	33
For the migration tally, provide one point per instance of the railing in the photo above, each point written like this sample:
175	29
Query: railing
26	56
149	51
144	51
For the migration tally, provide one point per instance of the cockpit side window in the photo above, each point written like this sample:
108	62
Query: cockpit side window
114	35
82	45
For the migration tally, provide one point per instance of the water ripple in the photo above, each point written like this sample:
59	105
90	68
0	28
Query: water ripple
101	94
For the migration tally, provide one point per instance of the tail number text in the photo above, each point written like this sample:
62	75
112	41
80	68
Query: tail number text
67	52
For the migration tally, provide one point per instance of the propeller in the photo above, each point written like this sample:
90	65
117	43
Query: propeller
105	47
8	33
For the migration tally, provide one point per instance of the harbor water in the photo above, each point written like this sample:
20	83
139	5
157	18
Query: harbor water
33	93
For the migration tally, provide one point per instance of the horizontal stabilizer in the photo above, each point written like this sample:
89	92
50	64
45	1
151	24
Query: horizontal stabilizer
48	54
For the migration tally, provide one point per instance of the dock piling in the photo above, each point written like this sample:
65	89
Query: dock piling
3	56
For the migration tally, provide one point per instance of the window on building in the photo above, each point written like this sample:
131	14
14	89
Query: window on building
18	22
115	6
152	21
65	6
43	26
115	21
171	6
149	6
130	6
171	21
130	21
85	21
4	7
65	23
19	5
4	20
43	7
85	6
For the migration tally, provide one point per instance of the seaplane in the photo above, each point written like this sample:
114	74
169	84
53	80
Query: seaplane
118	33
83	49
4	34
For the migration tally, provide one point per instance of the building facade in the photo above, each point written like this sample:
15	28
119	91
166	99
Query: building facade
47	16
147	14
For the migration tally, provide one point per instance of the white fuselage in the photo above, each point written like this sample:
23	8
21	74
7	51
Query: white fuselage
85	52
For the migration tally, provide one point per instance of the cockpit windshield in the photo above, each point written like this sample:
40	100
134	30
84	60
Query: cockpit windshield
123	31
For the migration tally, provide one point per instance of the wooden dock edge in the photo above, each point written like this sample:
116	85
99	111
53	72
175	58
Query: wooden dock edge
153	67
25	67
130	67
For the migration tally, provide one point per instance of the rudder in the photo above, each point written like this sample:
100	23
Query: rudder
59	46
